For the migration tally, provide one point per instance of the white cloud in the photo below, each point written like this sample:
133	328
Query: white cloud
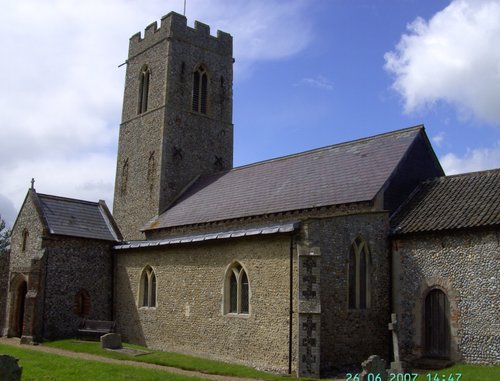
453	57
473	160
438	139
320	82
262	29
61	93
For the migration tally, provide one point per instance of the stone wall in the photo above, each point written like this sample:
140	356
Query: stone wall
465	265
28	224
350	336
29	221
189	316
74	264
163	149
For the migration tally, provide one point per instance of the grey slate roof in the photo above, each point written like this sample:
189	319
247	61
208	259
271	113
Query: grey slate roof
453	202
77	218
338	174
260	230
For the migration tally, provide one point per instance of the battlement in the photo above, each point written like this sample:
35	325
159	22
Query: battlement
174	26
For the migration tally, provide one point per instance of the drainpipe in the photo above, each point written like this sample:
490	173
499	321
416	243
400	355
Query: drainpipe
290	318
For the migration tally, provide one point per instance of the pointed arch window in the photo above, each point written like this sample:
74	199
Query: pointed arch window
144	89
24	243
124	179
237	291
359	275
147	288
200	90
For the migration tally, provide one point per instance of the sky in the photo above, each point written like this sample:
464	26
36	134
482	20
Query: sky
307	73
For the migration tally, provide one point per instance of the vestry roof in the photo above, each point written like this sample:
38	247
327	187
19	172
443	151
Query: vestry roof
453	202
343	173
77	218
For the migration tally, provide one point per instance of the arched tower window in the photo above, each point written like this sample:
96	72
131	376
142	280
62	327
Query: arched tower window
124	179
147	288
200	90
236	290
144	89
359	275
82	305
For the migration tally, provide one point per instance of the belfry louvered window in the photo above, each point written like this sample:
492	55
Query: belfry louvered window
144	89
359	275
200	90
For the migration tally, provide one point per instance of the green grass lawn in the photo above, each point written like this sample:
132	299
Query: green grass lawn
468	373
39	366
67	368
169	359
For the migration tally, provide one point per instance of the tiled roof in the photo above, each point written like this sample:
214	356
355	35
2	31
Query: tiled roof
338	174
453	202
77	218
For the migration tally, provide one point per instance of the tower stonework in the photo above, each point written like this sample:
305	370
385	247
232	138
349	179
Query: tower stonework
176	119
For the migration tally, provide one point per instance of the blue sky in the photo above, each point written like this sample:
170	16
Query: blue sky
308	73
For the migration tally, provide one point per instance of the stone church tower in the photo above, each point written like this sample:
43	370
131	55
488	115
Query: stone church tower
176	119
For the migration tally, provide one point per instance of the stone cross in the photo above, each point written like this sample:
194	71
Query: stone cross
393	326
32	183
396	366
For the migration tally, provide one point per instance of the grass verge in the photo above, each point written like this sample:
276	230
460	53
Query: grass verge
467	372
39	366
175	360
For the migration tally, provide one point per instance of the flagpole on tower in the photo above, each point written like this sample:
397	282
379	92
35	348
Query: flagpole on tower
184	7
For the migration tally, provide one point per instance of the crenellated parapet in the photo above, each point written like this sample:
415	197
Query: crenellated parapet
174	26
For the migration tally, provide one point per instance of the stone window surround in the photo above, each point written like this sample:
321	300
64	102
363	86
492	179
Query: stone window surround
144	85
147	274
226	302
82	303
25	236
357	249
200	103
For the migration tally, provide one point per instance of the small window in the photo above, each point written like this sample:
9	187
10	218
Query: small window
359	275
237	291
147	289
200	90
124	178
24	243
144	89
82	303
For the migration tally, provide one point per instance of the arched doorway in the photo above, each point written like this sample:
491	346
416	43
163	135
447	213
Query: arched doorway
17	317
437	324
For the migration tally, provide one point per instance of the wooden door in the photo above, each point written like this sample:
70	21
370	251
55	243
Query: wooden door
437	324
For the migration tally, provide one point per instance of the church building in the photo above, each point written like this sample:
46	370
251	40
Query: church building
293	264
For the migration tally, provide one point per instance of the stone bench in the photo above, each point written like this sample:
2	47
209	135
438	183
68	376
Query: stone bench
95	328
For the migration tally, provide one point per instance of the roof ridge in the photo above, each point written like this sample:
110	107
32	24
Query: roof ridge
297	154
61	198
485	172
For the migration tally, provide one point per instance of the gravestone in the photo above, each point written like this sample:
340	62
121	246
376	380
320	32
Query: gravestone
373	369
9	369
111	341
